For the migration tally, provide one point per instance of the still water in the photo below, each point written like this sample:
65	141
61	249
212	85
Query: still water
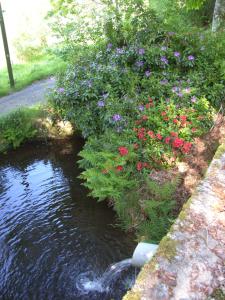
53	238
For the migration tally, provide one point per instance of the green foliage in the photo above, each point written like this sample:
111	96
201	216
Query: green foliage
17	127
187	14
158	210
193	4
28	50
140	96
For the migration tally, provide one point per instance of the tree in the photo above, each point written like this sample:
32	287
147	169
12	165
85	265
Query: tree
218	14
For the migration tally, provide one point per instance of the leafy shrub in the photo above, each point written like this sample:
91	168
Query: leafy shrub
113	81
140	100
17	127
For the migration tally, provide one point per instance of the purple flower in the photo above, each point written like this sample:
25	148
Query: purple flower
141	51
193	99
176	54
175	89
119	51
61	90
164	60
180	94
147	73
171	33
191	57
101	103
163	48
164	81
187	90
139	63
105	96
116	117
141	107
109	46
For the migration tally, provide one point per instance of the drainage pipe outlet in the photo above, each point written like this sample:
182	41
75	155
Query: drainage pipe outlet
143	254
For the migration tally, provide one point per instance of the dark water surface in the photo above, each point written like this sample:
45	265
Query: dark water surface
50	231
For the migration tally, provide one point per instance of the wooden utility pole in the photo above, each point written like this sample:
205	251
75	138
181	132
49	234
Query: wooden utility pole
6	47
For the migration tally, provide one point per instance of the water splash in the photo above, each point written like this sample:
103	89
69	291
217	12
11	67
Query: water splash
87	282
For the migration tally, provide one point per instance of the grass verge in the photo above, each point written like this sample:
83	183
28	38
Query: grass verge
25	74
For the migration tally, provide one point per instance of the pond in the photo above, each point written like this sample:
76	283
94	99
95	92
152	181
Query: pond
53	237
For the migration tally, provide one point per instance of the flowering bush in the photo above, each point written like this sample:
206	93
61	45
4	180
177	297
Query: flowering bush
140	105
104	88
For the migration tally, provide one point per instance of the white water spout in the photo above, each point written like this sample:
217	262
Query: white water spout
143	254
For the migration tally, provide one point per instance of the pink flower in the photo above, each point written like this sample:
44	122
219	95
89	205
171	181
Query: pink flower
123	151
177	143
139	166
167	140
151	134
119	168
174	134
183	118
158	135
186	147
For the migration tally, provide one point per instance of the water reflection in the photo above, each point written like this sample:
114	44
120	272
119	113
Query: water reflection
50	232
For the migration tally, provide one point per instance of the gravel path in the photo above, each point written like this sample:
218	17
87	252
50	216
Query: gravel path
31	95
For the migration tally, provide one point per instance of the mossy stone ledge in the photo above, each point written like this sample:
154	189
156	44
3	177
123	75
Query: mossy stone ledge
190	261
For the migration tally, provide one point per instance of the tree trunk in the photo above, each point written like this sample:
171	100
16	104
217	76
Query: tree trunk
218	14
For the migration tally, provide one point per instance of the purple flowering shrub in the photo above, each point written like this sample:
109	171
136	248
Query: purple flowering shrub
110	81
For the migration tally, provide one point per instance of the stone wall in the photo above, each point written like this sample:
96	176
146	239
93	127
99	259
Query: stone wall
190	261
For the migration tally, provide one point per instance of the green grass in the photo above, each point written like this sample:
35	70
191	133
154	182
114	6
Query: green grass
25	74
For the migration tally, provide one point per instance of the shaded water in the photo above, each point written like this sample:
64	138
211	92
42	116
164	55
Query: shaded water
55	242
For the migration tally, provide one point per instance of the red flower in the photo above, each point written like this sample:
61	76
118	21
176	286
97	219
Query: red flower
150	99
193	129
136	146
140	135
139	166
163	113
175	121
166	119
177	143
148	105
186	147
123	151
167	139
173	134
158	135
146	165
151	134
119	168
183	118
145	117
